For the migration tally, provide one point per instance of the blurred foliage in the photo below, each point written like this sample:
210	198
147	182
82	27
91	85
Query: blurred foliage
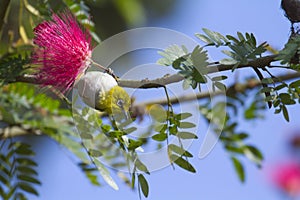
224	115
291	52
18	174
25	109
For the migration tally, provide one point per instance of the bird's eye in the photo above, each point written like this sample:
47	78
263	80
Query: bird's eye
120	103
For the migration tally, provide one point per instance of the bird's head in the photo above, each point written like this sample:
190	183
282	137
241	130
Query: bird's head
115	101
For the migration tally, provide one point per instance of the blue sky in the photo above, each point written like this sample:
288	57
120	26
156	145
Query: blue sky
215	178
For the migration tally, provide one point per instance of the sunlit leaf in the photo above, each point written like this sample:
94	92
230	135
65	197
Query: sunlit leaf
106	175
239	169
144	185
182	163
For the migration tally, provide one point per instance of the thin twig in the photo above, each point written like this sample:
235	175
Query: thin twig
253	83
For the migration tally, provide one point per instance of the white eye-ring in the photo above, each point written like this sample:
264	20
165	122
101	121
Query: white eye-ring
120	103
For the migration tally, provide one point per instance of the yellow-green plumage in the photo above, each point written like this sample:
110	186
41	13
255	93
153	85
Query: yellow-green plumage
115	101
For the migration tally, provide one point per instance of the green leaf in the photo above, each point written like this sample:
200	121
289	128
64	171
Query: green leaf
186	135
88	170
183	116
30	179
86	136
199	58
289	51
295	84
81	11
198	77
180	151
130	130
235	137
281	86
204	38
177	63
276	103
240	36
160	128
132	180
266	89
187	83
219	78
286	99
24	150
186	125
27	188
144	185
11	67
106	128
220	86
256	152
239	169
93	179
116	134
285	113
229	37
171	54
133	144
26	161
234	149
95	153
141	166
269	98
4	180
267	81
277	111
85	111
158	113
182	163
216	37
160	137
173	129
26	170
105	174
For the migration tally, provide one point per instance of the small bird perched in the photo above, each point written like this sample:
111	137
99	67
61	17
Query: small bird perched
292	11
101	91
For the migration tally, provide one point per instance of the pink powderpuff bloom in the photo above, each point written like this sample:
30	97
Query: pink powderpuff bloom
63	51
286	176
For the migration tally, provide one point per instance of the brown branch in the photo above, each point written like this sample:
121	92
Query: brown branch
27	78
15	131
169	79
252	83
155	83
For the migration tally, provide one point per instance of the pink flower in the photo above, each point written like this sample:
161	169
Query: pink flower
63	53
286	176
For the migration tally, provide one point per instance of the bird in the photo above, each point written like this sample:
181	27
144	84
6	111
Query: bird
292	11
101	91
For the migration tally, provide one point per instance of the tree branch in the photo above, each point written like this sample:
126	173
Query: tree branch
169	79
140	108
252	83
15	131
